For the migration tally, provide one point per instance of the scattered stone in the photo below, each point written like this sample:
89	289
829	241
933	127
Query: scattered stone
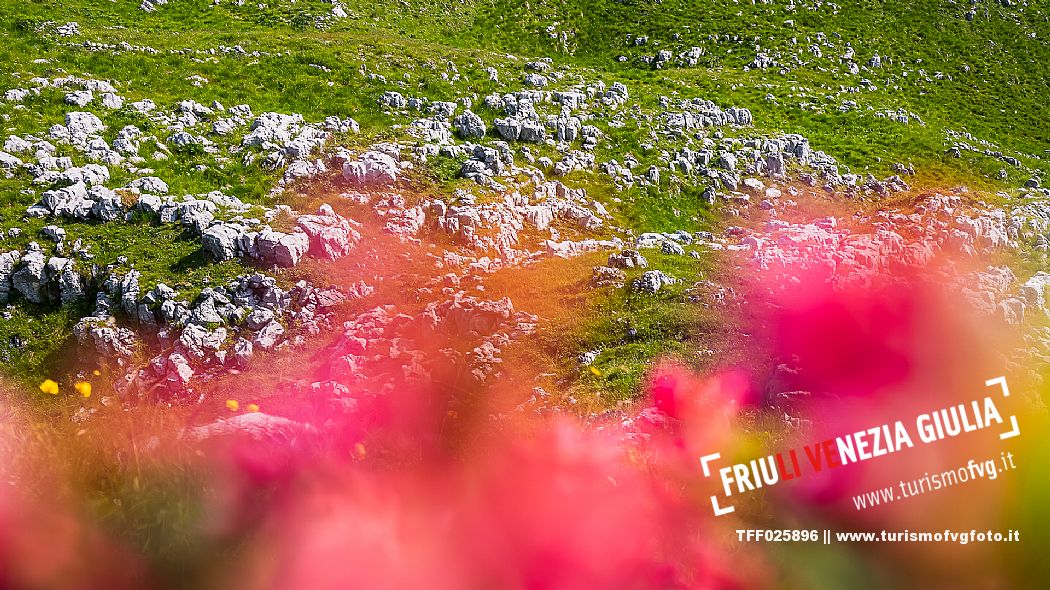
628	259
604	276
80	98
652	281
54	233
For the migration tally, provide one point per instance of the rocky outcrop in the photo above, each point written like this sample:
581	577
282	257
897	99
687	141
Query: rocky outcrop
371	168
282	249
31	279
331	235
101	333
8	262
469	125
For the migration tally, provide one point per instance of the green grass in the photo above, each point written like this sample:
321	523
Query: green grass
32	339
1001	98
663	325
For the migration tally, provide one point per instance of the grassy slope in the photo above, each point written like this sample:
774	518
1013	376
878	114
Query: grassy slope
1002	98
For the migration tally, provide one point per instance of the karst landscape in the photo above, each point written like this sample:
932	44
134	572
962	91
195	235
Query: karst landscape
433	294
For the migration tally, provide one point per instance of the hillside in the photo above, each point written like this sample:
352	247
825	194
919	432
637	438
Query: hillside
368	231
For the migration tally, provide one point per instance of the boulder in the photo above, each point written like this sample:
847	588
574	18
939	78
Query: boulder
604	276
9	162
82	125
149	204
465	314
267	337
207	312
273	129
393	100
111	100
254	425
532	131
197	220
753	185
8	261
31	280
16	94
79	98
727	160
775	164
108	339
652	281
259	318
508	128
536	80
128	290
54	233
628	259
221	241
371	167
469	125
107	205
242	352
70	285
198	341
1034	290
178	369
16	145
282	249
66	199
539	216
330	234
672	248
149	184
174	312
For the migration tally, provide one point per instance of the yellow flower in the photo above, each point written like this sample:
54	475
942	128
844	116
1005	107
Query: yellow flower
595	371
83	388
49	387
253	407
96	372
232	405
